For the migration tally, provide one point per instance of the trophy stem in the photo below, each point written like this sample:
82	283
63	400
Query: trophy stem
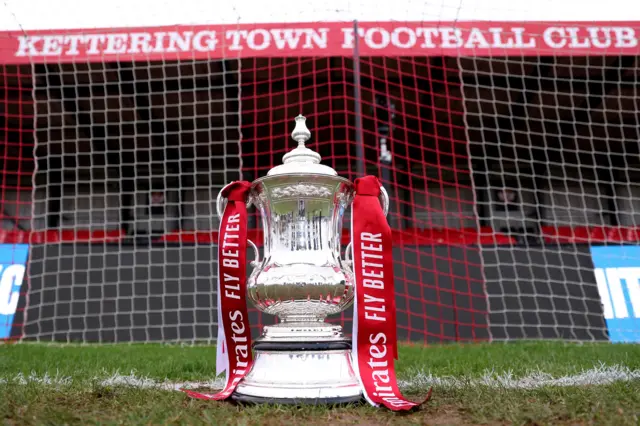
312	330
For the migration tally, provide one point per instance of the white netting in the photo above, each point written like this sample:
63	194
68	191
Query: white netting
129	152
554	147
503	171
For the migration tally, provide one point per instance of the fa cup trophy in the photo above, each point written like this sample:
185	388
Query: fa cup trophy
302	279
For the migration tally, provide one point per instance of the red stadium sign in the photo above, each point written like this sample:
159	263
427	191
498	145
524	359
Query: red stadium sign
323	39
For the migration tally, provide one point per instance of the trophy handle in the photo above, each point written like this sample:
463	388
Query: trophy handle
256	261
384	200
220	205
221	202
347	255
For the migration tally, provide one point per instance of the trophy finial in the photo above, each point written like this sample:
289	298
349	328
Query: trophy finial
301	133
301	154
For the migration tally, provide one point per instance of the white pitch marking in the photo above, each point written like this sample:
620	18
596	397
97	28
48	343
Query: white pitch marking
601	375
145	383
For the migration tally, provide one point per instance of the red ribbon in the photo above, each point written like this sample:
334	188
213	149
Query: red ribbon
375	346
234	332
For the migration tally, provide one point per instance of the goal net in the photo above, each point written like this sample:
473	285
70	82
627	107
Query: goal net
553	147
510	153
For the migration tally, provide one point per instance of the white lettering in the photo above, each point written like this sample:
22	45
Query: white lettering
240	341
258	43
555	37
584	38
348	38
10	283
93	40
316	38
617	296
373	316
286	38
52	45
380	375
140	43
427	37
372	273
307	38
235	37
403	37
594	36
576	41
230	263
27	45
372	306
444	37
631	276
179	42
476	40
291	38
158	46
603	289
370	300
72	42
229	256
450	38
283	39
625	37
377	38
116	44
519	34
366	236
515	41
231	253
205	41
612	291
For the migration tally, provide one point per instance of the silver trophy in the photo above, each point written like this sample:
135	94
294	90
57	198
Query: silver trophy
301	279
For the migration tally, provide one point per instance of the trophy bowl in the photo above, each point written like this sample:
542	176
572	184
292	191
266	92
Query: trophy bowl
302	278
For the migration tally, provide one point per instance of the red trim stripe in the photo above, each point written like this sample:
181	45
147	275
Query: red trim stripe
456	237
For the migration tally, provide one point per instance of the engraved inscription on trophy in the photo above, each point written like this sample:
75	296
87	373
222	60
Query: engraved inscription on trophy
300	190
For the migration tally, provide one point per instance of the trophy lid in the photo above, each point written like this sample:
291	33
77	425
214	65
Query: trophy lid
301	160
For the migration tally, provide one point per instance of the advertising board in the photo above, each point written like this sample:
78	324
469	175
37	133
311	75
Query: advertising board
617	273
13	262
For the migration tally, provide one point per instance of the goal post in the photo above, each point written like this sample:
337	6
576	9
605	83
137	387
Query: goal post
508	148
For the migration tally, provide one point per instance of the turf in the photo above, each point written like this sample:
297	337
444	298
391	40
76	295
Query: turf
80	395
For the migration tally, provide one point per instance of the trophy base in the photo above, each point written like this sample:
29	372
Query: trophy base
300	373
259	400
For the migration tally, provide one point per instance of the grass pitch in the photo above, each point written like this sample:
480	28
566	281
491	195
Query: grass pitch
515	383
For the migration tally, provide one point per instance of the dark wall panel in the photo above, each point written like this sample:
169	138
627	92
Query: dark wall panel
545	292
125	293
